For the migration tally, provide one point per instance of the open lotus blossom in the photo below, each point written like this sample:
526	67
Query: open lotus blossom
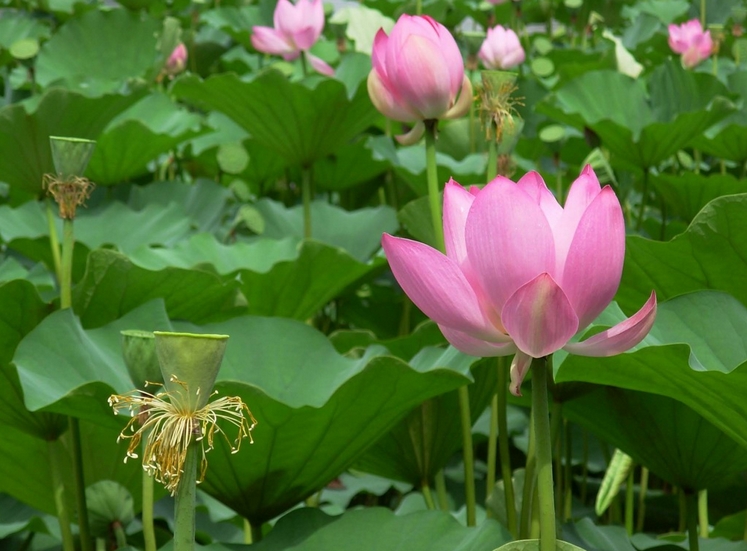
418	74
522	274
501	49
691	41
297	28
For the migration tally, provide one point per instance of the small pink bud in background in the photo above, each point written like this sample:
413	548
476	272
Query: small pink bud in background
418	74
501	49
177	61
297	28
497	1
691	41
523	274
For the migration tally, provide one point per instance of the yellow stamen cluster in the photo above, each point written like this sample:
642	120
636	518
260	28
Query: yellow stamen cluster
170	429
497	107
68	193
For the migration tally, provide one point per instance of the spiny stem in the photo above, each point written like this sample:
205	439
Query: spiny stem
66	276
529	482
468	456
492	447
506	471
703	513
184	507
543	444
54	242
492	170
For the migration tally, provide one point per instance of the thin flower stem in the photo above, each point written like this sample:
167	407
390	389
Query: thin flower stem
66	276
306	197
506	471
247	532
119	534
543	443
443	500
427	495
692	520
642	500
431	168
256	532
468	455
184	507
492	170
529	482
54	242
629	498
568	474
492	447
304	68
703	513
418	7
149	532
63	515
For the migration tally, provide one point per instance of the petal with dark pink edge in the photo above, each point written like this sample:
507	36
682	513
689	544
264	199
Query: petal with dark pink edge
305	37
621	337
519	368
509	241
378	53
437	286
421	78
452	58
267	40
320	66
594	264
413	136
384	100
539	317
457	202
476	347
463	102
533	184
583	191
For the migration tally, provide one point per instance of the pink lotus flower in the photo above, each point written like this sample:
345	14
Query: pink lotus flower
177	61
522	274
501	49
418	74
689	40
297	28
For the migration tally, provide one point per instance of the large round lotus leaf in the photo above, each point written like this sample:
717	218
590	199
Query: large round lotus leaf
24	135
686	194
377	529
302	124
317	410
99	51
665	435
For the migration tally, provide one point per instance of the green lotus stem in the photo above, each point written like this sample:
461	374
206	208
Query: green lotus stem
683	511
703	13
247	532
585	468
492	447
54	242
503	447
427	495
642	500
100	544
468	456
443	501
703	513
540	375
556	441
472	144
149	531
63	515
418	7
119	535
697	160
306	197
629	497
184	507
568	473
431	169
256	532
644	200
691	503
529	480
66	276
492	170
303	64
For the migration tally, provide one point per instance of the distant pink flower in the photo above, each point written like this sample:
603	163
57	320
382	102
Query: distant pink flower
297	28
177	61
691	41
418	74
522	274
501	49
497	1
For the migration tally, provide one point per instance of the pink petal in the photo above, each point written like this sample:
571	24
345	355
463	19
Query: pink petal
476	347
519	368
437	286
452	57
463	103
534	186
539	317
623	336
457	202
320	66
413	136
384	100
267	40
288	18
594	264
509	241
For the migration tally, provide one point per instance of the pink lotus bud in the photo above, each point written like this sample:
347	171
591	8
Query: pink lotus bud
177	61
522	274
418	72
691	41
501	49
297	28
